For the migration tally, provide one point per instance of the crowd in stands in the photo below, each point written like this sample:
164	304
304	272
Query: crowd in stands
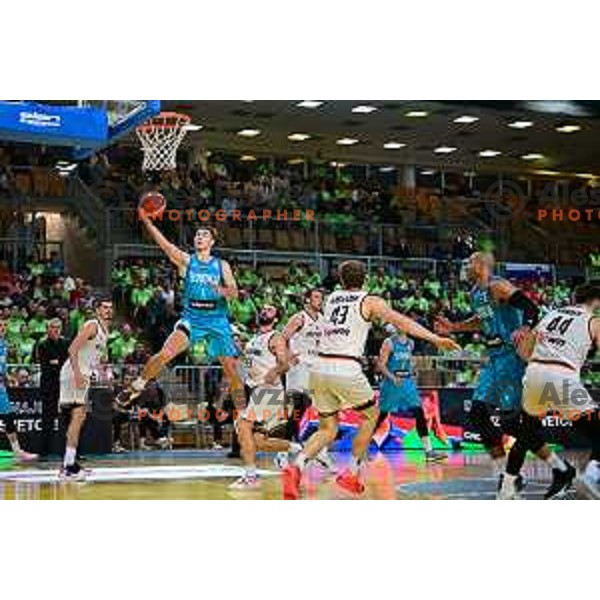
146	294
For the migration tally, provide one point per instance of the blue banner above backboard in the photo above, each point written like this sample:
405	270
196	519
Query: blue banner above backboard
53	125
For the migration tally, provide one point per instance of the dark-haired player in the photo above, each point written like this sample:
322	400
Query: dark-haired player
208	283
6	409
563	340
86	353
399	391
263	423
337	378
504	315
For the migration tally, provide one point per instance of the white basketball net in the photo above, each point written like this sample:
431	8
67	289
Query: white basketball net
160	137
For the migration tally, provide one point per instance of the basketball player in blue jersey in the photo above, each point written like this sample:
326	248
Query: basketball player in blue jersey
505	316
208	284
6	410
398	390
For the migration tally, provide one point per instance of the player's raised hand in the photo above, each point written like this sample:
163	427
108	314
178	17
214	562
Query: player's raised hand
447	344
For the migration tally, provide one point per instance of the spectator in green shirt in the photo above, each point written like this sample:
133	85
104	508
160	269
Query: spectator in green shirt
37	324
15	323
243	308
140	297
24	346
123	344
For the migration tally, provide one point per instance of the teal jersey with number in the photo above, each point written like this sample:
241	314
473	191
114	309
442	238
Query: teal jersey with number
499	320
200	299
400	358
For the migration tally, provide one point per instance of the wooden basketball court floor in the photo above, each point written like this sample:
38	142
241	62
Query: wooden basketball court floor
198	475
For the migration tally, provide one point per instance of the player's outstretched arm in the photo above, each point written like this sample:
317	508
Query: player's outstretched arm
87	332
443	326
375	307
177	256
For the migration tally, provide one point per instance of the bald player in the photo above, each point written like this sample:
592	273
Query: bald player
504	316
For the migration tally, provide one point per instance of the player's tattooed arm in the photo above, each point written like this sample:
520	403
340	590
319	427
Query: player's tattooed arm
504	291
375	307
177	256
278	347
382	360
230	289
87	332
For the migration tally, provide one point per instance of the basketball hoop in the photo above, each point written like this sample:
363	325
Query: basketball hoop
160	137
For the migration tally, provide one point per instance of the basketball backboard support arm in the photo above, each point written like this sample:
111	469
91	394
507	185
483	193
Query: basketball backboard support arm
87	127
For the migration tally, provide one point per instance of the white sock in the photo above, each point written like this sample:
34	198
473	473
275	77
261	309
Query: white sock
556	462
498	465
14	443
426	443
251	471
301	461
355	464
593	469
70	454
294	448
509	480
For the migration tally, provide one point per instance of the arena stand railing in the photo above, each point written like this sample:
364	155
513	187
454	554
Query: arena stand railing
321	261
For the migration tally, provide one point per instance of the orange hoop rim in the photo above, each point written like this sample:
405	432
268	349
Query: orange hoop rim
160	122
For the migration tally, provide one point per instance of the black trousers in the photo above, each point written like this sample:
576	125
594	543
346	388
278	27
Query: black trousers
49	396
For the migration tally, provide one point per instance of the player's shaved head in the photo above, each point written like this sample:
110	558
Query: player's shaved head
483	258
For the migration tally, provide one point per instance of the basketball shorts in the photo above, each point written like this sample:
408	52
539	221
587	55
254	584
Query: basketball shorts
500	381
338	385
70	395
552	388
6	407
297	380
394	398
266	408
215	332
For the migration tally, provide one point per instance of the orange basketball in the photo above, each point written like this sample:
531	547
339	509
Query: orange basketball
152	204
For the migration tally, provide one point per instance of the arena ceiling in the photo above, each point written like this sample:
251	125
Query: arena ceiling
514	136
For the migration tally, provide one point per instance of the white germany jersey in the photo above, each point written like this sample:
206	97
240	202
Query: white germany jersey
260	360
344	328
305	341
563	336
91	354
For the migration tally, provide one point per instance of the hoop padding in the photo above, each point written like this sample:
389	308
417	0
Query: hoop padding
160	137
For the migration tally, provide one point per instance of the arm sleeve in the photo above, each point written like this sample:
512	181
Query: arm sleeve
530	310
